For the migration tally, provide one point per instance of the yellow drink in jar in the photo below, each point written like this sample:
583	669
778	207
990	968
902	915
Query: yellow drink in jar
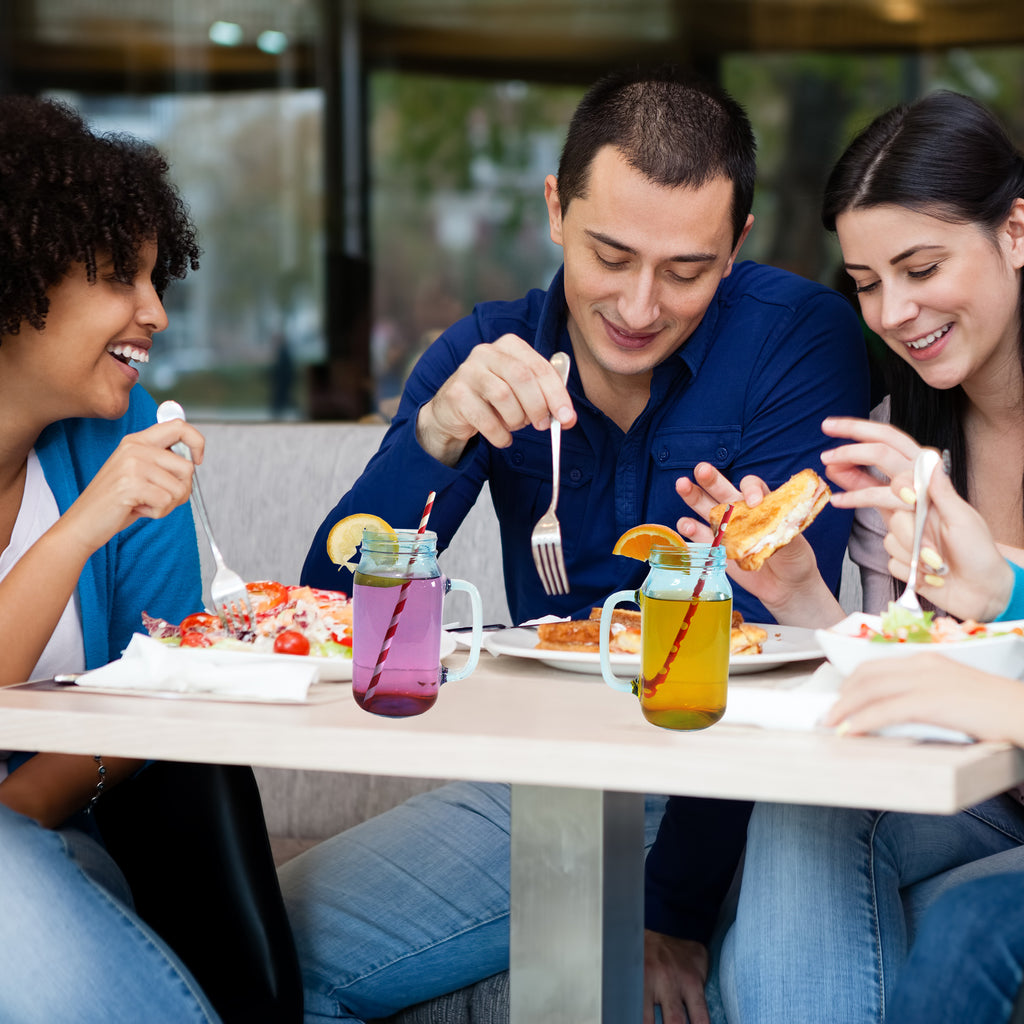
692	694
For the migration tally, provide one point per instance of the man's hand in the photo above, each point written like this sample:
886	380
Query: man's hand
675	972
500	388
789	584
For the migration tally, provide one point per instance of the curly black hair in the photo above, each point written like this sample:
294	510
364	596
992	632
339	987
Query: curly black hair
68	194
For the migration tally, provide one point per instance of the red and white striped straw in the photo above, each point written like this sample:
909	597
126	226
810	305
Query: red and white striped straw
393	625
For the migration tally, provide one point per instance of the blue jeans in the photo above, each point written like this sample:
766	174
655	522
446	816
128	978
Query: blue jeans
73	950
830	900
967	960
408	905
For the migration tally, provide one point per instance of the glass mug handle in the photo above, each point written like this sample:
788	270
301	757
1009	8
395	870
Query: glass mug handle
476	637
619	597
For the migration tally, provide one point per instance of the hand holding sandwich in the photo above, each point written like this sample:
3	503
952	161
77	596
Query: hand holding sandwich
788	582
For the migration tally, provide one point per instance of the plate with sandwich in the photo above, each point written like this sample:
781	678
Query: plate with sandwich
572	645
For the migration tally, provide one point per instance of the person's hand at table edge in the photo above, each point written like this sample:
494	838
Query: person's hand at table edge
929	688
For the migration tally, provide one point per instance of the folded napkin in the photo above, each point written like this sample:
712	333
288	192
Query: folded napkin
147	664
801	707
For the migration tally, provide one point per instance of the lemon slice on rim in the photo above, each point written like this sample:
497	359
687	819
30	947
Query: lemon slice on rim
347	534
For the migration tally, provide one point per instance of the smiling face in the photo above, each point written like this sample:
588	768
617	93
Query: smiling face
642	263
945	297
80	364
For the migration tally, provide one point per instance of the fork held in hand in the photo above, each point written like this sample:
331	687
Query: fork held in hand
924	466
227	588
546	539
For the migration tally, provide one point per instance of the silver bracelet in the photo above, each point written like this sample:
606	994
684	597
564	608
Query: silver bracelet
101	781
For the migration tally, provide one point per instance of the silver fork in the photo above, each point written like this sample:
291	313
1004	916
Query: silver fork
227	588
924	466
546	539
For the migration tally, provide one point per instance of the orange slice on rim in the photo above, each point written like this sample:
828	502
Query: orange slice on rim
639	541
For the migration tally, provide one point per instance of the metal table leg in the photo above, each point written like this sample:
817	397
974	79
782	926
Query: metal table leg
576	952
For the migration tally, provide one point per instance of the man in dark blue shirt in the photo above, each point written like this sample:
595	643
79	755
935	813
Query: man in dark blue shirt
679	355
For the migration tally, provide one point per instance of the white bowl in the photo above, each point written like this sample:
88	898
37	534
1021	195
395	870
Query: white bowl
1001	655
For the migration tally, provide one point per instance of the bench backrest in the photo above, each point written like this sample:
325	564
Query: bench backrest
268	487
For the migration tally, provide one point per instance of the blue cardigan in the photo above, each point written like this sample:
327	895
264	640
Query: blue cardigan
151	566
1015	609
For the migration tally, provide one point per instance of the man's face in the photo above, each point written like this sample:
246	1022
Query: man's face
642	263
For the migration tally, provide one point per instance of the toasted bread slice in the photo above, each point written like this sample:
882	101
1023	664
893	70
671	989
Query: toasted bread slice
753	535
584	634
747	639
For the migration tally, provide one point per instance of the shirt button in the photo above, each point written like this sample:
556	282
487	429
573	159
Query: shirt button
575	475
721	454
663	455
517	458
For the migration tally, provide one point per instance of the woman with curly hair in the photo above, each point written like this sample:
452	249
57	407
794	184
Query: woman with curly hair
91	533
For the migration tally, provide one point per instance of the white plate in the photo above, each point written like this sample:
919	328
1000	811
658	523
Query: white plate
329	670
785	644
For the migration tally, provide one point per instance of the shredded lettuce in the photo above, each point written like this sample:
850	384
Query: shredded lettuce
899	623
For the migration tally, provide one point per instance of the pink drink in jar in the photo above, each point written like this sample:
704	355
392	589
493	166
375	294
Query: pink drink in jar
409	678
411	672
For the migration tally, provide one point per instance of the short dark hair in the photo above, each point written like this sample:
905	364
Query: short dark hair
67	194
946	156
671	125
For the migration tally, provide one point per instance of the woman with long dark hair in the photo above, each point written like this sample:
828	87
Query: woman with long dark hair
928	206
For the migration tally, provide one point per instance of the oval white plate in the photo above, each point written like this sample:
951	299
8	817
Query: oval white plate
785	644
329	670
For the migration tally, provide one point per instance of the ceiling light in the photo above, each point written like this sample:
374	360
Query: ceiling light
272	42
225	33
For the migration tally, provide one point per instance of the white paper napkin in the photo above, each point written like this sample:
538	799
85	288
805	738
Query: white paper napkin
802	707
147	664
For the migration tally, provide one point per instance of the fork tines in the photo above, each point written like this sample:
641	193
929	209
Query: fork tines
236	616
547	556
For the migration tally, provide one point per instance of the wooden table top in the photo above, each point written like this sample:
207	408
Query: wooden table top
518	721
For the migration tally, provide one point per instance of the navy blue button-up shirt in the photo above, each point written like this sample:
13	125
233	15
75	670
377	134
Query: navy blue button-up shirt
773	355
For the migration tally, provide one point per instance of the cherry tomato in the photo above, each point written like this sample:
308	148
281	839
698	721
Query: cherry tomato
194	638
345	641
200	622
266	595
290	642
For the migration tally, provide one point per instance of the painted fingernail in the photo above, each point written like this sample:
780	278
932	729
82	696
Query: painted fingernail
931	558
947	462
908	496
843	728
934	581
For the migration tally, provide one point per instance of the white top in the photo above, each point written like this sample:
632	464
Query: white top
65	650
